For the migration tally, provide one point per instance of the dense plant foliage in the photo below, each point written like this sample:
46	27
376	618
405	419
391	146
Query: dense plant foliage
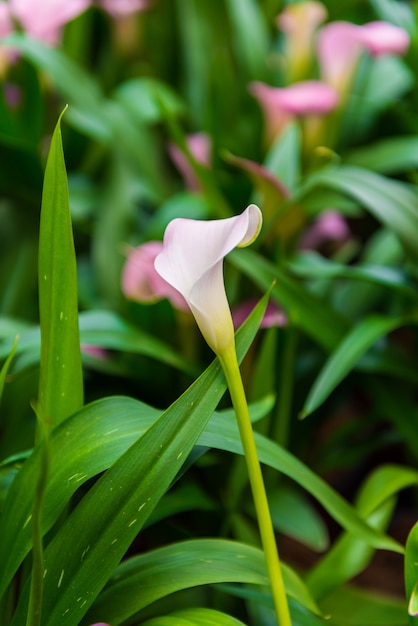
124	496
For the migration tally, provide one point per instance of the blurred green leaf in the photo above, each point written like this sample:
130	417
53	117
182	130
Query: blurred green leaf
311	264
364	334
386	156
103	329
284	157
411	573
349	556
391	202
351	606
224	435
306	310
149	99
293	515
250	36
60	378
6	365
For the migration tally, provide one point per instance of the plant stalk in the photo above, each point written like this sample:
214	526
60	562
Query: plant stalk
229	362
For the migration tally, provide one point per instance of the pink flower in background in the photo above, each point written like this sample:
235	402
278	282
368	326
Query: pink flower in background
340	45
6	22
44	20
328	226
274	315
383	38
192	262
282	104
97	352
200	148
142	283
119	8
299	22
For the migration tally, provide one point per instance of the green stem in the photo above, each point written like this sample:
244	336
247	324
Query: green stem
229	362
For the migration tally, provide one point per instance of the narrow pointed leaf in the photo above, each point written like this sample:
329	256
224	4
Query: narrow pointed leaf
194	617
391	202
61	379
86	550
183	565
411	572
346	356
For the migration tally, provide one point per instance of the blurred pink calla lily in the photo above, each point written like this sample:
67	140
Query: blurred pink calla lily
274	316
298	22
340	45
120	8
45	20
192	262
199	146
142	283
328	226
310	98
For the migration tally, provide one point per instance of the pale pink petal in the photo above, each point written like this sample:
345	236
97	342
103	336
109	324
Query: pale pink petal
45	21
328	226
383	38
339	49
119	8
299	22
273	316
200	147
341	43
6	22
192	262
142	283
282	104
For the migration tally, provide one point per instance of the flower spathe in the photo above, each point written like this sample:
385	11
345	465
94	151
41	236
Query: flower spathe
191	261
341	43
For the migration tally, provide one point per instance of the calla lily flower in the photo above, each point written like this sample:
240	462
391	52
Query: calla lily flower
340	45
43	22
274	316
298	22
328	226
200	148
120	8
307	99
142	283
192	262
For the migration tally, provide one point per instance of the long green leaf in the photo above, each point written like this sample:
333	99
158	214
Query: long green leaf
345	357
312	265
60	378
349	556
391	202
224	436
387	156
183	565
103	329
411	573
194	617
84	553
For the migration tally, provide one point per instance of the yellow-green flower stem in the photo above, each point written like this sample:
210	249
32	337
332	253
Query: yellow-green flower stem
229	362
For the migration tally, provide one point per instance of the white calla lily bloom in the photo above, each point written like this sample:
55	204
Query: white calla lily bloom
192	262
